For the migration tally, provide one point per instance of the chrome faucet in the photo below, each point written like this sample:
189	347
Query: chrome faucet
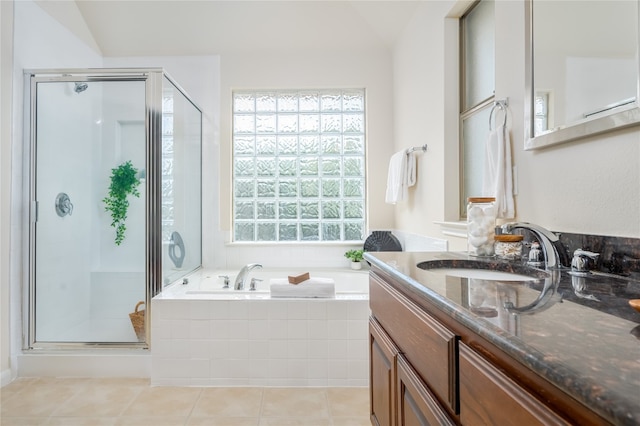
242	275
548	297
554	254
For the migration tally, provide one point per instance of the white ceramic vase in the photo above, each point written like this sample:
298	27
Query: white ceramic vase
356	265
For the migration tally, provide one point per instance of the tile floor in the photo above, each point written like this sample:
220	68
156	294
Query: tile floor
98	402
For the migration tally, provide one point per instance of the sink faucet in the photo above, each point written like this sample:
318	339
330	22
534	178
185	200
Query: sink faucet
548	297
242	275
554	254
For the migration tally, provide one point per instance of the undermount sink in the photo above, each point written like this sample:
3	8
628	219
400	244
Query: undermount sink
483	274
483	270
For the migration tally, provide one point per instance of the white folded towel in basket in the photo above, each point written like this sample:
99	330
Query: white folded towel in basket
313	287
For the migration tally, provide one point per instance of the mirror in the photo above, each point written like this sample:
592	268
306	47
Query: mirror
582	71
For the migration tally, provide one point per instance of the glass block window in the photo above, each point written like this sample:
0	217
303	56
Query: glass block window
299	165
167	166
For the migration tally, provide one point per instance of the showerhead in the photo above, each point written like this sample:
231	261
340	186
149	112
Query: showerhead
80	87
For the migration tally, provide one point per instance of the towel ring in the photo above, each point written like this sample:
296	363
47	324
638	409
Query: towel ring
502	104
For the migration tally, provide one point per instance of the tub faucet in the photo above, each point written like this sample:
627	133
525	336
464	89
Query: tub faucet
242	275
555	255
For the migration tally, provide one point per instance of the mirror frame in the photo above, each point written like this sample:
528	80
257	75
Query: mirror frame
626	116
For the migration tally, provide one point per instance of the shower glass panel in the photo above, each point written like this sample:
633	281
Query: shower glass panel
114	201
87	284
181	188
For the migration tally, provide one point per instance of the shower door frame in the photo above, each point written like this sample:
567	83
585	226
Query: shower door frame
153	78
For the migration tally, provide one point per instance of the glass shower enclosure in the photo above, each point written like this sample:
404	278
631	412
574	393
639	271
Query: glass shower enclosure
114	202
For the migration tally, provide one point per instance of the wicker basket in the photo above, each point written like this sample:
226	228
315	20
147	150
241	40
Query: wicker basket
137	320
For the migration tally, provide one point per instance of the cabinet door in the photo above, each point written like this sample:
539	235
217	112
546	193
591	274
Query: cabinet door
416	405
488	396
382	375
426	344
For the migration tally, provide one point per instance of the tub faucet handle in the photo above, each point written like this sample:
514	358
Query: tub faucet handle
226	280
253	283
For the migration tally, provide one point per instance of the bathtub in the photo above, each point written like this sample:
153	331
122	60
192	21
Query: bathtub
205	335
210	284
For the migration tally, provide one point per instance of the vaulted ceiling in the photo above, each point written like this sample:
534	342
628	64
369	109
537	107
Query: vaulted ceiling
185	27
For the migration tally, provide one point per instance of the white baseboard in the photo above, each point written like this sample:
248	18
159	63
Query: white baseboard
6	377
134	365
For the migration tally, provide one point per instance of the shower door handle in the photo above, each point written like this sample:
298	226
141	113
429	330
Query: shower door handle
34	211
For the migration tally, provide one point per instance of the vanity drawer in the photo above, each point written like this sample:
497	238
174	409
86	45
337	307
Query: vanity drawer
427	345
488	396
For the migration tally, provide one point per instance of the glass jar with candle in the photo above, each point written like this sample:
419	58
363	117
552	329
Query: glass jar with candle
481	223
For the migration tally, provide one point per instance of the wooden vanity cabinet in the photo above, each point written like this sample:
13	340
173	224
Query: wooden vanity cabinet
489	397
398	395
382	374
426	368
421	351
416	404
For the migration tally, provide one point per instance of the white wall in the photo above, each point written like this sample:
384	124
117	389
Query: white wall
589	186
419	115
39	42
6	73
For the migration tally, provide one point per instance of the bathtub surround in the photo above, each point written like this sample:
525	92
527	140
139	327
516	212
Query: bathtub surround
204	338
315	287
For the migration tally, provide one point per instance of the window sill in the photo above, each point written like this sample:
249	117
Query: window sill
453	229
294	243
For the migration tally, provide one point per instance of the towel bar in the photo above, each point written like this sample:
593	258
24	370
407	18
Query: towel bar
422	148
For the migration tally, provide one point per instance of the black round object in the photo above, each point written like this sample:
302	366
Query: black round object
382	241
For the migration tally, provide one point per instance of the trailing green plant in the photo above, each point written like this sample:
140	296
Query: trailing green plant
124	181
355	255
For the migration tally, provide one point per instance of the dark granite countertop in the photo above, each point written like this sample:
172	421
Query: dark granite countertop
583	337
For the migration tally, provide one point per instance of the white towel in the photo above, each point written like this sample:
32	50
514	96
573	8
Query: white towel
313	287
498	173
401	175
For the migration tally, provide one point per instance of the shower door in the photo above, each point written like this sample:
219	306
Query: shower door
88	193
